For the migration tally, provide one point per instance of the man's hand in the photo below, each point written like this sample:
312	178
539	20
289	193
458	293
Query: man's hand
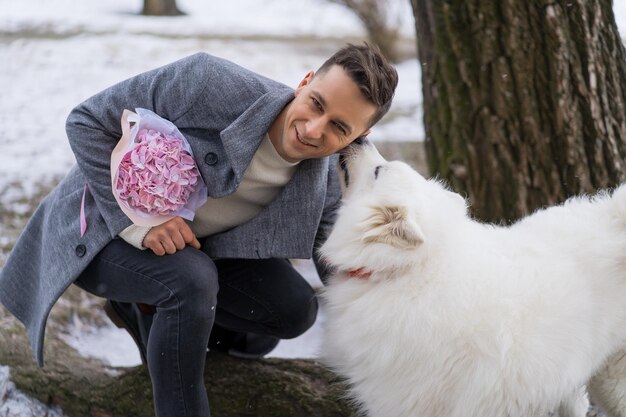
170	236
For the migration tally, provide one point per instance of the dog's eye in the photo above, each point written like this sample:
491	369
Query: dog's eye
376	171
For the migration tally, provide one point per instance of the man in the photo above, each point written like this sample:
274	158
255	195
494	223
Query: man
264	152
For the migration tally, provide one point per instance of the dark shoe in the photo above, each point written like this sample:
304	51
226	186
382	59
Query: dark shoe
241	345
124	317
253	346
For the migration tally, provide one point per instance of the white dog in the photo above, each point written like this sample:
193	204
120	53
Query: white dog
432	314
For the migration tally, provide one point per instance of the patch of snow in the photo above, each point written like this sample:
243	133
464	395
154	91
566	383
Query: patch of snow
109	344
14	403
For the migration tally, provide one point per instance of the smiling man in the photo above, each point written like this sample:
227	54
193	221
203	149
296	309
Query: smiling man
266	154
329	111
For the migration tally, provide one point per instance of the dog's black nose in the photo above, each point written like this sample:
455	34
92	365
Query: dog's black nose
342	161
344	168
361	140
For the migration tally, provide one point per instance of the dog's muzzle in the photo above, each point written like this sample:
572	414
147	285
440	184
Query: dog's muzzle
344	168
361	140
349	150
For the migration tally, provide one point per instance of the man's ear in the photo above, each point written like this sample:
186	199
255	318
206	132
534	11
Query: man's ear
393	226
305	81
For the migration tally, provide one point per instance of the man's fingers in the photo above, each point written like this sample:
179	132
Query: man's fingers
170	236
155	246
168	245
178	240
189	237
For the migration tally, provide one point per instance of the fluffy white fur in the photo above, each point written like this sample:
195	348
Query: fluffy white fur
464	319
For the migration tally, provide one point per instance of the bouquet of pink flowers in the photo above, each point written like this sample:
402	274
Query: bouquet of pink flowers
153	172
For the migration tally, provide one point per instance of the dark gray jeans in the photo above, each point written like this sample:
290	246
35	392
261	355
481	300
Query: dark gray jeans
263	296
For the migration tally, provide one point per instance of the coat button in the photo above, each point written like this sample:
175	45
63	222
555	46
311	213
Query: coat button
210	158
81	250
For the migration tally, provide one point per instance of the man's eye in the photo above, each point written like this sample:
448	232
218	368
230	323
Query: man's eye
340	128
316	103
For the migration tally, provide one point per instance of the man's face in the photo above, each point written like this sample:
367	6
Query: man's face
326	115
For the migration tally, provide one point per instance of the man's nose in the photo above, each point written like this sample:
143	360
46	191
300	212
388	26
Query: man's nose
314	128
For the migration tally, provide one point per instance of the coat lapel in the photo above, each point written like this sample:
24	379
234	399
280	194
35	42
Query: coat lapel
297	211
242	137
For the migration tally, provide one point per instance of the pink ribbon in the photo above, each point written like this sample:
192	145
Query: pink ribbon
83	218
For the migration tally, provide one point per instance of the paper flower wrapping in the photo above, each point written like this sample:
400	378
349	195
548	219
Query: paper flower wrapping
153	172
158	175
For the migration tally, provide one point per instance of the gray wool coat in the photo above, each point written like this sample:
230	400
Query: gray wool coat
224	111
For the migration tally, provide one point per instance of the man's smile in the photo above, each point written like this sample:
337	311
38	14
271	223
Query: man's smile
304	142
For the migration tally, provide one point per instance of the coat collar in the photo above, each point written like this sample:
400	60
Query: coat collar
243	136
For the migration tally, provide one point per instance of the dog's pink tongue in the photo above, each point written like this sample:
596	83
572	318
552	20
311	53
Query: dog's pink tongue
360	273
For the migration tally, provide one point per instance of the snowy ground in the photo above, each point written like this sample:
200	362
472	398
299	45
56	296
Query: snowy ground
56	53
15	404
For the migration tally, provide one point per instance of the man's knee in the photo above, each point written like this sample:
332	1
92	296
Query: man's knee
301	317
195	284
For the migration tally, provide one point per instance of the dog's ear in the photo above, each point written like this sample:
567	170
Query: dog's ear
392	225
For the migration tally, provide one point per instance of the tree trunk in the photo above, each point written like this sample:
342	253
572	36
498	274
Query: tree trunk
524	100
160	8
237	388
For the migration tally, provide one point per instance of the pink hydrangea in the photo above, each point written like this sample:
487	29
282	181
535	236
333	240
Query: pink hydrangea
158	175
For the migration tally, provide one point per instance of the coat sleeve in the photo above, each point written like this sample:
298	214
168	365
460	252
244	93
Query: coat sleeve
329	213
93	127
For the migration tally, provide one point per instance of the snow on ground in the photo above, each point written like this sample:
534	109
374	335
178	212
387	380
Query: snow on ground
238	18
111	345
15	404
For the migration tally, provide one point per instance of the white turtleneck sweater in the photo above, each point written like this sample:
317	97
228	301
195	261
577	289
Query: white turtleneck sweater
266	175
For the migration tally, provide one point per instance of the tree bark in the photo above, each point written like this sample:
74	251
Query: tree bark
524	100
237	388
160	8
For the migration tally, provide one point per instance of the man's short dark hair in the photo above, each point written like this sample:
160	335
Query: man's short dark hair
369	69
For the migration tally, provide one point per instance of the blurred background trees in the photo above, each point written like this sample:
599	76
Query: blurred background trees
160	8
380	20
